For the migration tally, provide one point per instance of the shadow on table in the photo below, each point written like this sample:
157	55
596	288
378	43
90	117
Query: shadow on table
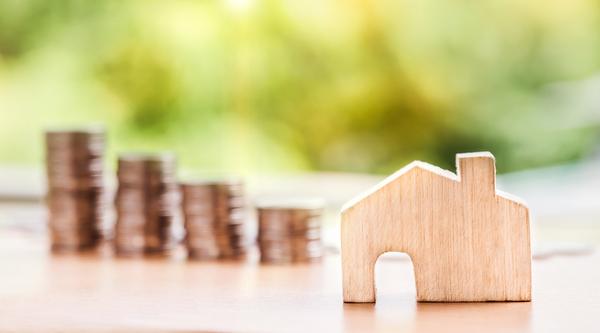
409	316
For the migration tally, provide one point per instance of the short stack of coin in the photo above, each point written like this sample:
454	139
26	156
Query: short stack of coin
147	204
76	191
290	231
215	217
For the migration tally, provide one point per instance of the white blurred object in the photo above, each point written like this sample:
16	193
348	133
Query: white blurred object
555	249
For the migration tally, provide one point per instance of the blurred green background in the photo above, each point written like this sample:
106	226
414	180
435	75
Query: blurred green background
282	85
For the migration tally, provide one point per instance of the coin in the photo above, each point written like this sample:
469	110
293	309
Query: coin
147	204
215	219
76	194
290	230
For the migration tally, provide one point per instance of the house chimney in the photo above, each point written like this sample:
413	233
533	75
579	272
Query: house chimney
477	171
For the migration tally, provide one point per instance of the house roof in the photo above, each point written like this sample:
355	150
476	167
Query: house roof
427	167
475	154
413	165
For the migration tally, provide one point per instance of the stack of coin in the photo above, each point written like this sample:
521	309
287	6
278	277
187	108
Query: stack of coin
290	231
76	192
215	217
147	204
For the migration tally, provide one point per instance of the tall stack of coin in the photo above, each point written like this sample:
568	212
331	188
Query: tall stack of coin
214	219
76	192
290	231
147	204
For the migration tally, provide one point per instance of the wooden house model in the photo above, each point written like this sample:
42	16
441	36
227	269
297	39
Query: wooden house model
467	241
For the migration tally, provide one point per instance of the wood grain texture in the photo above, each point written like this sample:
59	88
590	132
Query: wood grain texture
467	241
99	293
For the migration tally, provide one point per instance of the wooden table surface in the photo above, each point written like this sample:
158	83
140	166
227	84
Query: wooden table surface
40	292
